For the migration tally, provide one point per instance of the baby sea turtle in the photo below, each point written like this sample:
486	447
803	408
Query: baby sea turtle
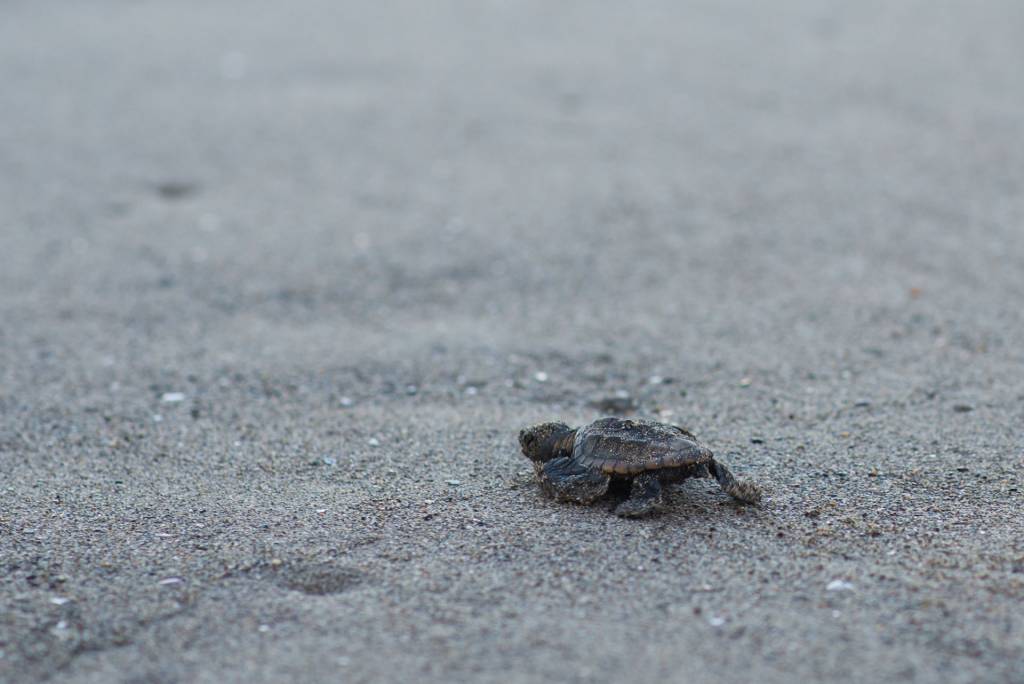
580	464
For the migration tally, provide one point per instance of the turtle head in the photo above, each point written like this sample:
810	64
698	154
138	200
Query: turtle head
540	443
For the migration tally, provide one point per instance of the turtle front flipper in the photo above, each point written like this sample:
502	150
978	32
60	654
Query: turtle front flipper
741	490
566	480
644	497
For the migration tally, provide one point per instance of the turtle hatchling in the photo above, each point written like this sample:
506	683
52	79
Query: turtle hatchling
580	464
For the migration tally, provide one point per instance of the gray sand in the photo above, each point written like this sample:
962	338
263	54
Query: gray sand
278	287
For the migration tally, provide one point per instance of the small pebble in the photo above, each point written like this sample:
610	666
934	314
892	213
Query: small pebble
541	376
454	483
839	585
373	441
330	460
172	397
264	628
716	621
346	402
170	580
59	600
963	408
745	382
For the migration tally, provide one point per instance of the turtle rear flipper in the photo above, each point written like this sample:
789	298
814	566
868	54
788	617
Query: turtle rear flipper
741	490
644	497
567	480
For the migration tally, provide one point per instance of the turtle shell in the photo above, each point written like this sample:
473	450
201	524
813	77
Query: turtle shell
618	446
